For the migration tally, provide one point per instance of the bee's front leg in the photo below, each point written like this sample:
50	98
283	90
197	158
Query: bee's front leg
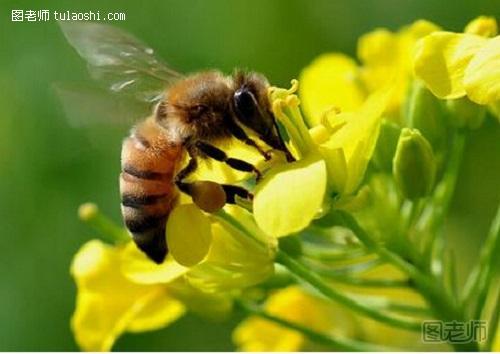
219	155
209	196
240	134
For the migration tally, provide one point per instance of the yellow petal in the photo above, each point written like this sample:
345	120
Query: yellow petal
159	311
188	234
258	335
336	166
349	150
484	26
387	59
419	29
379	47
214	306
290	196
107	302
137	267
441	59
330	80
482	76
293	304
235	261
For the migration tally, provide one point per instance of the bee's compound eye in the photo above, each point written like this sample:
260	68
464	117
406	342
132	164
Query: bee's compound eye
244	102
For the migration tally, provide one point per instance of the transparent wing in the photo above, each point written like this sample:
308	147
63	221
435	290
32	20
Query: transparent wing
100	116
90	106
120	60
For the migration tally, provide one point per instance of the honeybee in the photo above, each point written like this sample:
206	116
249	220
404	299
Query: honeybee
190	114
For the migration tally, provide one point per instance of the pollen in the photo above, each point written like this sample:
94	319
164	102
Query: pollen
208	196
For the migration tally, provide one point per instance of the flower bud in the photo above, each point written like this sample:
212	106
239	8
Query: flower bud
425	114
465	113
414	165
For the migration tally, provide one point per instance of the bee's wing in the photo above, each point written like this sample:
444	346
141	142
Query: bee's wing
120	60
90	106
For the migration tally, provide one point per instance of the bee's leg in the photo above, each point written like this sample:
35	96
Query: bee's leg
240	134
184	173
232	191
219	155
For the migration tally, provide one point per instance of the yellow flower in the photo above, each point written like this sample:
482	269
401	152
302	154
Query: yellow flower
350	147
387	59
453	65
335	80
329	81
240	255
108	303
295	305
333	157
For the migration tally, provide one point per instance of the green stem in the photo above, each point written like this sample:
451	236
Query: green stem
313	279
430	287
364	282
482	275
319	253
441	201
331	341
89	213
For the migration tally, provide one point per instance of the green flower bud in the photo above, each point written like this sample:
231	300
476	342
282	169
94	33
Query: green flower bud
465	113
424	112
386	145
414	165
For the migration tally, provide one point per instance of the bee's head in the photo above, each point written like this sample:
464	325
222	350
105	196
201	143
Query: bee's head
252	109
197	107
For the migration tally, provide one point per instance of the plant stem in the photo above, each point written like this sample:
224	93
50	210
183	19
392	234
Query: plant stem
90	214
328	340
313	279
444	307
480	278
441	200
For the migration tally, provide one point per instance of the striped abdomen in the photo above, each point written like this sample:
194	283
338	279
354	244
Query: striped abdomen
148	193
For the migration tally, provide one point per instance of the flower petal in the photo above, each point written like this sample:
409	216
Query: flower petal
107	302
349	149
484	26
336	166
290	196
215	306
482	76
159	311
329	81
235	261
137	267
441	59
188	234
296	305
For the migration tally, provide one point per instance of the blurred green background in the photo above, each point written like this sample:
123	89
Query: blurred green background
48	167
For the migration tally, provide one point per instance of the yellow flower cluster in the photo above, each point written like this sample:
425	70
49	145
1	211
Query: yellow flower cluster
333	121
120	289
